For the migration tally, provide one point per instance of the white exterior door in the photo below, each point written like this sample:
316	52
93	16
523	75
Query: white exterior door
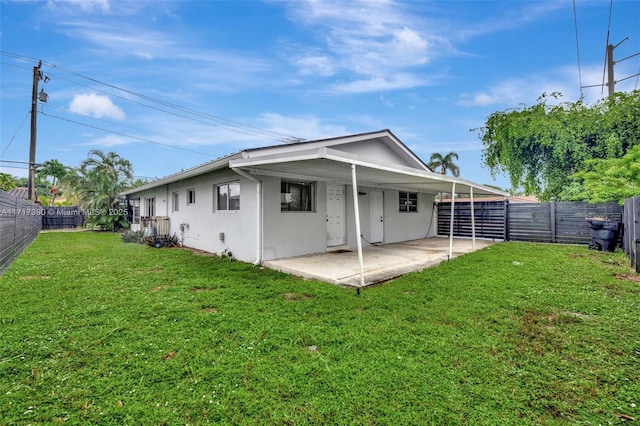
376	218
335	215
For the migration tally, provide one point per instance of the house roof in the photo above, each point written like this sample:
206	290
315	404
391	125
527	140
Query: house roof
319	160
20	193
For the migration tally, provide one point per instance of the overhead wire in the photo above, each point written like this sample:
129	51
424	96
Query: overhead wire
125	135
575	21
185	112
15	134
606	46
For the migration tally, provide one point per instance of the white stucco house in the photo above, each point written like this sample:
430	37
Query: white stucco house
302	198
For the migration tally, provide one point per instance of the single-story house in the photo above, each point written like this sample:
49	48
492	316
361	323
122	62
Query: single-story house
302	198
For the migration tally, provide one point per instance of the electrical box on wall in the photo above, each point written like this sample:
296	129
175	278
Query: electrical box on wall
221	236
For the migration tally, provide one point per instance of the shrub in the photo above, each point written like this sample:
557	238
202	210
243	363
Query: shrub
132	237
161	241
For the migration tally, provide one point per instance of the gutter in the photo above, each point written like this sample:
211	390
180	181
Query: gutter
259	208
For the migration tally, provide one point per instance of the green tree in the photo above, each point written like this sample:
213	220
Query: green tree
136	183
97	183
610	180
542	147
55	170
7	182
444	163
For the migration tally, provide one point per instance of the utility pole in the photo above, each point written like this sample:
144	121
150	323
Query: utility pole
43	97
611	83
37	75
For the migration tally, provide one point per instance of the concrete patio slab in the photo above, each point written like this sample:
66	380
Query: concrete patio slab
381	263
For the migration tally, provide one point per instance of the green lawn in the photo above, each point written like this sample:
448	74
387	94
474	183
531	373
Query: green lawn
93	330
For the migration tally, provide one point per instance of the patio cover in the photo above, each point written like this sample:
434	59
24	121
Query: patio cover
331	165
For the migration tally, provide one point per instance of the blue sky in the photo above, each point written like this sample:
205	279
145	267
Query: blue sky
203	79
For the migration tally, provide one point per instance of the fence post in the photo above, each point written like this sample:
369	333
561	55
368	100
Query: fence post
506	221
552	219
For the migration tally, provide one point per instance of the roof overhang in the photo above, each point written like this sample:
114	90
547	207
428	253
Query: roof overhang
221	163
330	165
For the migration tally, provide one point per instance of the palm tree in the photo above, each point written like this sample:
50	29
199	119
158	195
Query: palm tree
111	165
97	183
55	170
446	163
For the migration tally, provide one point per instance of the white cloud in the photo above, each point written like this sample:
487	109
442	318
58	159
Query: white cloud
110	141
380	84
379	43
315	64
84	5
97	106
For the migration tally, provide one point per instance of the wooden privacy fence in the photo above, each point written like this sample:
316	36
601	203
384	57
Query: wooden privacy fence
20	222
631	237
554	222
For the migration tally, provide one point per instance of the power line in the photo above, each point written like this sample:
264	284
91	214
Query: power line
212	120
575	21
15	134
606	47
125	135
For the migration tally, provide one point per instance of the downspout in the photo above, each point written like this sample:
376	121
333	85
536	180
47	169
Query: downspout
453	202
356	209
259	219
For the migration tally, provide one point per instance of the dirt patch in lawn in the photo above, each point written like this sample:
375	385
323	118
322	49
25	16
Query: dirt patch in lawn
142	271
200	289
35	277
297	296
630	277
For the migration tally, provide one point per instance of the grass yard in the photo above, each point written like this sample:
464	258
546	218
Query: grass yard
93	330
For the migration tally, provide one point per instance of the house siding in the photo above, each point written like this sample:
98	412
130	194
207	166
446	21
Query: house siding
397	226
287	234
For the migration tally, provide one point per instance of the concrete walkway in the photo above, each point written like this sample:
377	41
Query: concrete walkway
381	263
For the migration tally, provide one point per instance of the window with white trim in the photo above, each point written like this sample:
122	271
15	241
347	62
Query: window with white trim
297	196
175	201
150	206
135	208
228	196
191	196
408	202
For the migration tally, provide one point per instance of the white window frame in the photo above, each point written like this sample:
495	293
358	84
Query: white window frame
150	206
288	196
135	207
232	202
175	201
407	203
191	196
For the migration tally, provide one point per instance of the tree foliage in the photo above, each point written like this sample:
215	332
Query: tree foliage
56	171
97	183
611	180
544	147
444	163
7	182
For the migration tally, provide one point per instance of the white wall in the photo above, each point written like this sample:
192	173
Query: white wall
285	234
289	234
205	223
398	226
